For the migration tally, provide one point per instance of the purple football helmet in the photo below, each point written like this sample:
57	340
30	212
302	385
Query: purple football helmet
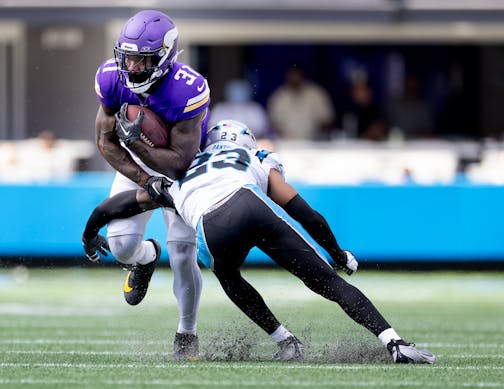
149	40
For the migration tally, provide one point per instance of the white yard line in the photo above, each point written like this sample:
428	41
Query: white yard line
58	311
218	365
79	341
73	352
249	383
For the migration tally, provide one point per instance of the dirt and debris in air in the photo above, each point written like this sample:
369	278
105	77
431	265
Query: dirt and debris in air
239	342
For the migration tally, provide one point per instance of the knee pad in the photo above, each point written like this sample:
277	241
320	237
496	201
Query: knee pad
125	247
181	254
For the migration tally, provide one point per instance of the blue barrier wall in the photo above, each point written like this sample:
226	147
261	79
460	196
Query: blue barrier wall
457	222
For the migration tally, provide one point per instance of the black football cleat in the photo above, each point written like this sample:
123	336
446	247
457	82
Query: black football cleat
403	352
138	278
185	347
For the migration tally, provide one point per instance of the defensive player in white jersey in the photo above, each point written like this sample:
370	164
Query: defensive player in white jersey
145	72
236	198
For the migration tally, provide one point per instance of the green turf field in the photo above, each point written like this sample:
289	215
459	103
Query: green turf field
70	328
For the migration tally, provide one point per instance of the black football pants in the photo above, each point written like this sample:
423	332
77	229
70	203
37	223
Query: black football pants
248	219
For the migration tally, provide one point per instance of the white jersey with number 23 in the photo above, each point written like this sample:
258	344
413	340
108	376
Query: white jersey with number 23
218	172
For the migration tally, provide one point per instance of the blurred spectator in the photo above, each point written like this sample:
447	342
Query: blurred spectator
42	158
239	105
300	109
363	118
411	115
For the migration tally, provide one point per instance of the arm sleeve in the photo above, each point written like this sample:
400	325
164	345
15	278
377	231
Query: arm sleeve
120	206
317	227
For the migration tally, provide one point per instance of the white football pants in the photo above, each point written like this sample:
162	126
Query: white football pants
126	242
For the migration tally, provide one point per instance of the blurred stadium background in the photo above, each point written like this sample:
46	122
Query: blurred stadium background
432	203
431	200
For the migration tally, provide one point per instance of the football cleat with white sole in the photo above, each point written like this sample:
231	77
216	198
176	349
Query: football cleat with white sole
289	350
138	278
185	347
403	352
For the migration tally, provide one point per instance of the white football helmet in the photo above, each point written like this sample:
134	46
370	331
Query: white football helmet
230	133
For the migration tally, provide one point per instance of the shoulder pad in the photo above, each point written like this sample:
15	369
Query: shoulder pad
191	87
261	154
270	160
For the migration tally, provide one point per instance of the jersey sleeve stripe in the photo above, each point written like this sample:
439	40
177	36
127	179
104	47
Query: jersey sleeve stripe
98	92
192	107
97	87
202	95
110	69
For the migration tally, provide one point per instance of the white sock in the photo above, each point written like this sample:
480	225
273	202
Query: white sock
146	253
132	249
387	335
281	333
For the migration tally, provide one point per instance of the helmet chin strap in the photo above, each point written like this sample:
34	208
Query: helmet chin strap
143	87
157	74
177	54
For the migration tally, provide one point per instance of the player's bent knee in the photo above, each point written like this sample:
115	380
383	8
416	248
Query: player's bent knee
181	253
124	247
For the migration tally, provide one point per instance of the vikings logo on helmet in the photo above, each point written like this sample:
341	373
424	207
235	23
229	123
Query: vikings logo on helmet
157	36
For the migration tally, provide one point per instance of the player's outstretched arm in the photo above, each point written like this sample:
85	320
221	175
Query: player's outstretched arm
312	221
127	204
184	143
107	142
122	205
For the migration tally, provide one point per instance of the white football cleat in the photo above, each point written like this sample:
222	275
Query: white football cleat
403	352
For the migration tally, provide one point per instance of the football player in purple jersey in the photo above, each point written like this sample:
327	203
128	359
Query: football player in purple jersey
144	71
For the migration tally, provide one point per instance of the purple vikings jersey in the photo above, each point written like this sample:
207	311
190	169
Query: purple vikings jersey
181	95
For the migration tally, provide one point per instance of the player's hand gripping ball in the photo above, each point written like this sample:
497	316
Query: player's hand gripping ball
154	131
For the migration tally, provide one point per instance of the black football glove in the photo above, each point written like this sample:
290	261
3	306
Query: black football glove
127	130
157	187
98	243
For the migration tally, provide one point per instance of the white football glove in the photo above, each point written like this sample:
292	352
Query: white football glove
351	263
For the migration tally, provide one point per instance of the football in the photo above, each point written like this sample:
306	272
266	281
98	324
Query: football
154	130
